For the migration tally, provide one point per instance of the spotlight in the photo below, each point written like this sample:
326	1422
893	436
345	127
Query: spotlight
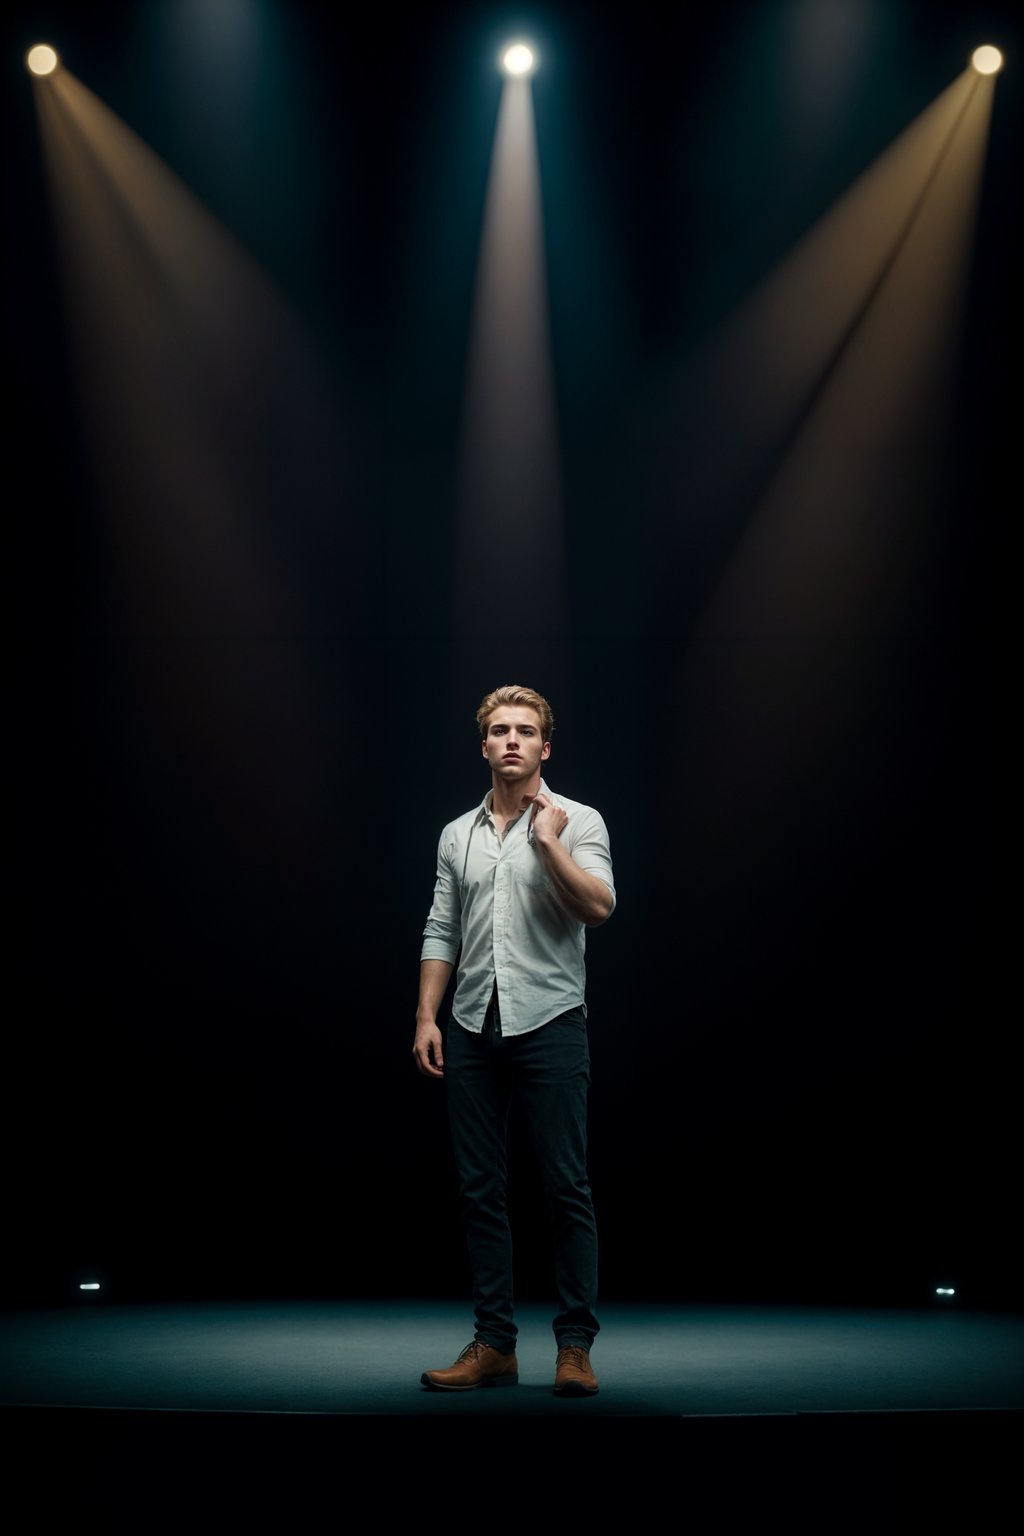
945	1290
518	59
89	1285
987	60
42	59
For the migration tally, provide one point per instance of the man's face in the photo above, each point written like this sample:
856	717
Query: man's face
513	745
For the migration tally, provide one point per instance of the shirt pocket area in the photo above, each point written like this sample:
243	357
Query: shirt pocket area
530	872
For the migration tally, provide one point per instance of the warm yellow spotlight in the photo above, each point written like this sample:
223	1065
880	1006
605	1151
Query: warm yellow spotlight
517	59
987	60
42	59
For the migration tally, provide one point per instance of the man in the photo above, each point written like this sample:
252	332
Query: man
519	880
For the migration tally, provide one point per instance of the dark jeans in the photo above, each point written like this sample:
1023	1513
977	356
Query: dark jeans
549	1071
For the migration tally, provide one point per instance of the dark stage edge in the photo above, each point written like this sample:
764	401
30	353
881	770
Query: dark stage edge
135	1413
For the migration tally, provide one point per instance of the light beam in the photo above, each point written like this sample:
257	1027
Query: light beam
819	410
207	415
809	491
509	497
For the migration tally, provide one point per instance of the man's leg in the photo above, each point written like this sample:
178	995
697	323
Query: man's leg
479	1092
552	1078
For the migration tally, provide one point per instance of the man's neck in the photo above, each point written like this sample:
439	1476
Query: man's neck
507	799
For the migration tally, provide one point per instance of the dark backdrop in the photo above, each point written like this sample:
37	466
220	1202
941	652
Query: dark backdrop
801	1044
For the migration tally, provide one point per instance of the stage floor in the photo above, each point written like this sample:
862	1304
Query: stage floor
366	1358
305	1416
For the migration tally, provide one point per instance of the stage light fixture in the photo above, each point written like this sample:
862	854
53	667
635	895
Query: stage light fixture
987	60
518	59
89	1285
42	59
945	1290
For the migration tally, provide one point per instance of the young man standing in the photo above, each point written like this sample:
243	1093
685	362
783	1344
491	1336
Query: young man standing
519	880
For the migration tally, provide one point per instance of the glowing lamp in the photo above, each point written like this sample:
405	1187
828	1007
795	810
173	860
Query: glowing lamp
518	59
42	59
987	60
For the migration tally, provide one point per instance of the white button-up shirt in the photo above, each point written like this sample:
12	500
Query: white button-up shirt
494	901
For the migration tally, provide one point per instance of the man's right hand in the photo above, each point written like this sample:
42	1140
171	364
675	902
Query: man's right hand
427	1050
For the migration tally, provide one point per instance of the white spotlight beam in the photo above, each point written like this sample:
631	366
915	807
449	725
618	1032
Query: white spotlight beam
510	513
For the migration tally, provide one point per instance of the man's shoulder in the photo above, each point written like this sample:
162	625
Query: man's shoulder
571	805
460	826
584	820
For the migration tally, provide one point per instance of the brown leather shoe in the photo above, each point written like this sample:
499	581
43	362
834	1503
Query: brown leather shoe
478	1366
573	1375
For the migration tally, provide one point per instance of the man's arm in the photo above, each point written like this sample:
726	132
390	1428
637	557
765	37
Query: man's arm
584	896
441	939
427	1048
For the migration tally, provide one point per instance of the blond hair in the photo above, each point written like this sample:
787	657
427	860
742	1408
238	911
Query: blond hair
512	693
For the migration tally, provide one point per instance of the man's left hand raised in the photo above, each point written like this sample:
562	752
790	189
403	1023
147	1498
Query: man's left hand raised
547	819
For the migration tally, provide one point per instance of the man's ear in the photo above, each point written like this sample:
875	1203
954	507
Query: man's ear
545	752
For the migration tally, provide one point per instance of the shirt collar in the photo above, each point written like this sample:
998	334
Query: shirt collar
484	810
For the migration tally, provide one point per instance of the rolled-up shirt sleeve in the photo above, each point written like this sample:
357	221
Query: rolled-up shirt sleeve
442	935
590	847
